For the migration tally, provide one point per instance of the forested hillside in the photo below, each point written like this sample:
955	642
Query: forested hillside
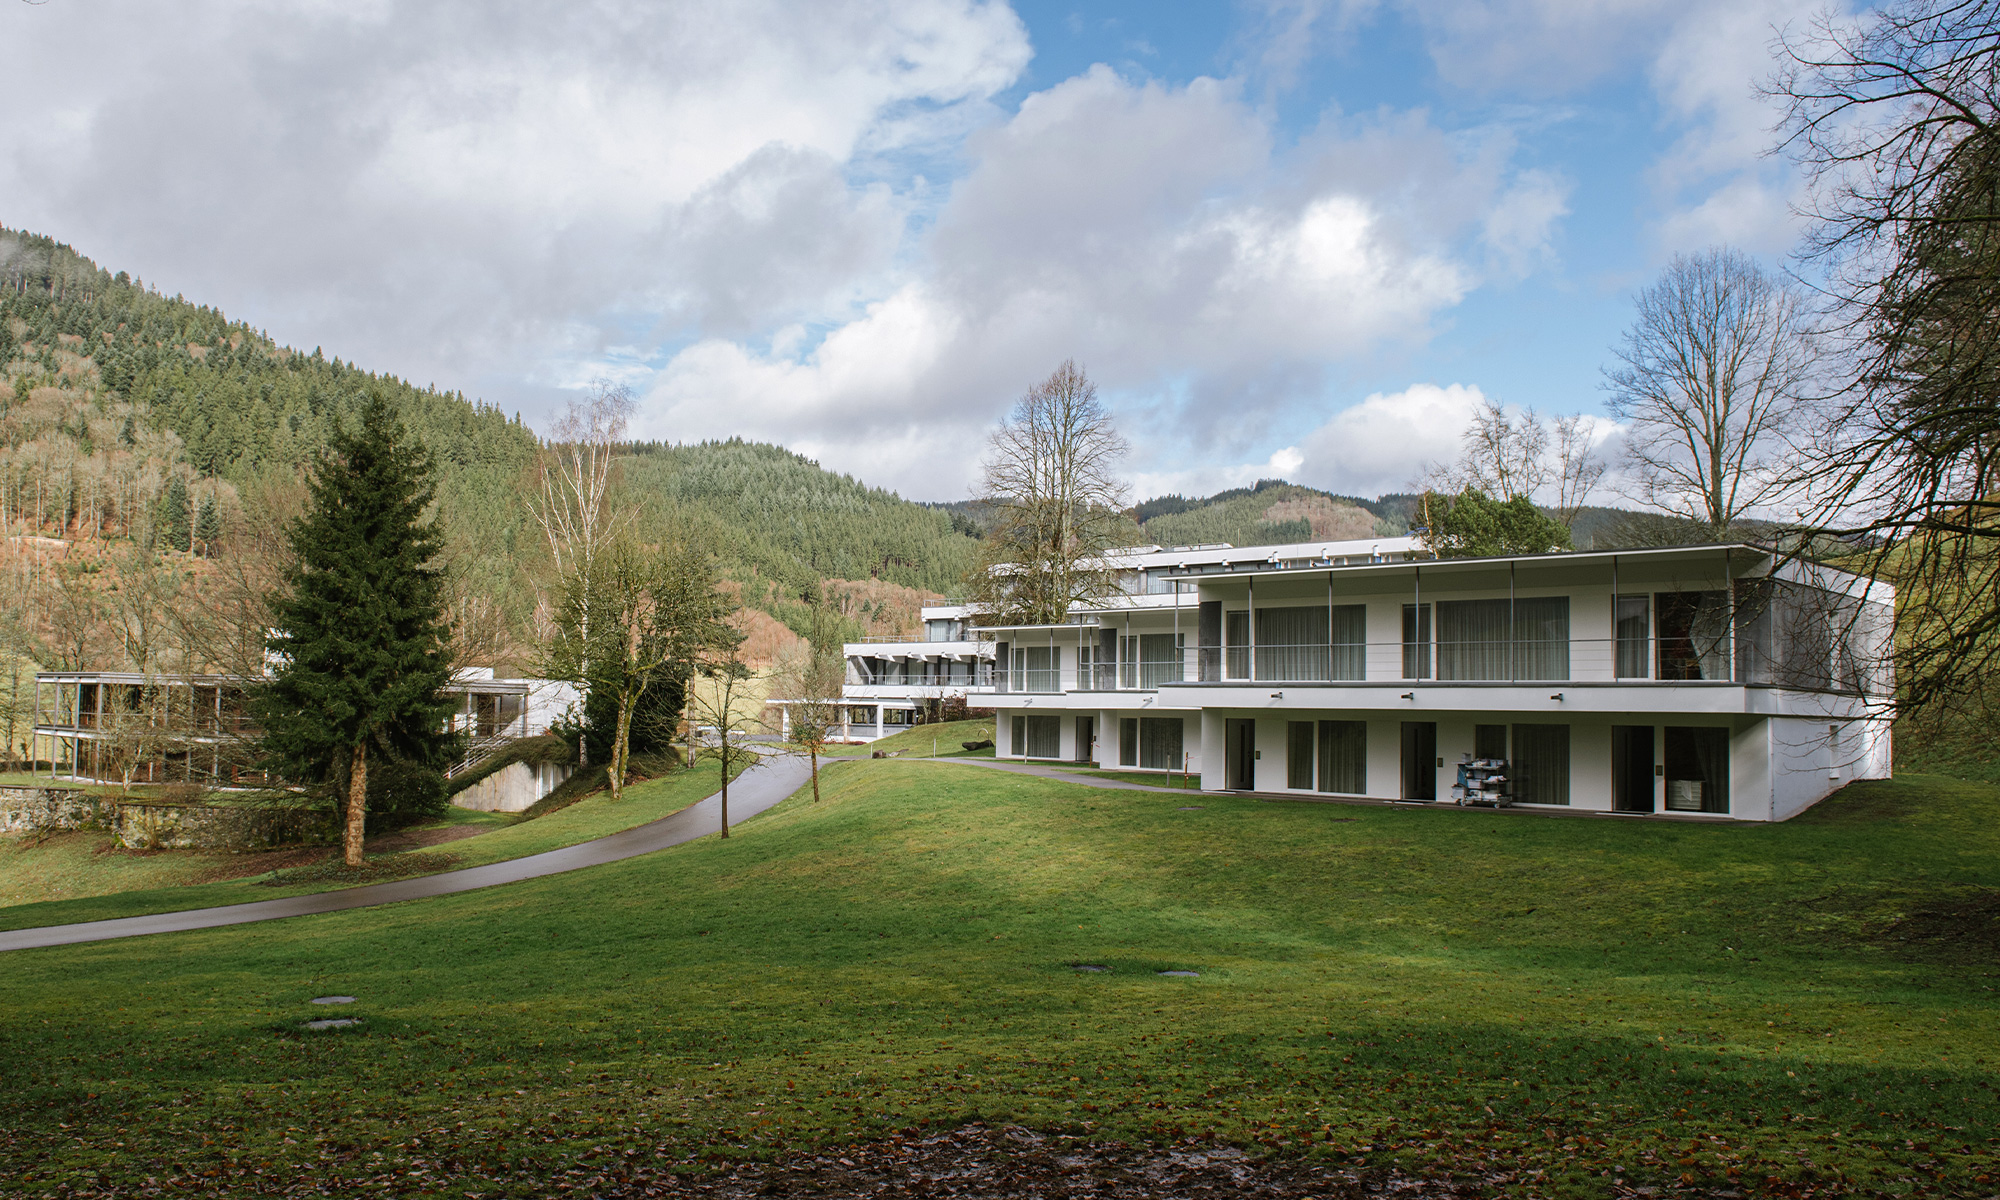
150	449
1272	511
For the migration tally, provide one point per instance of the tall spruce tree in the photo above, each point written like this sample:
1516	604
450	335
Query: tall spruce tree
360	629
174	515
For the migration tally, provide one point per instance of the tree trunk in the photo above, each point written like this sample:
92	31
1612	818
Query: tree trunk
621	745
812	752
723	741
357	802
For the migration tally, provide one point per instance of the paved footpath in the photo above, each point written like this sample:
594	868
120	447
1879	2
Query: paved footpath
760	787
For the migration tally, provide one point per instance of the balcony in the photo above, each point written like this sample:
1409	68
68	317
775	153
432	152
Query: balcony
1642	662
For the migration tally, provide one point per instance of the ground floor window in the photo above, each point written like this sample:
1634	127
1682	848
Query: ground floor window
1128	741
1037	737
1697	769
1299	755
899	716
1160	743
1540	765
1343	757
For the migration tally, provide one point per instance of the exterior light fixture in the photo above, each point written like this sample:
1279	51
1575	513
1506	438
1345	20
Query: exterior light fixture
1409	695
1557	696
1277	695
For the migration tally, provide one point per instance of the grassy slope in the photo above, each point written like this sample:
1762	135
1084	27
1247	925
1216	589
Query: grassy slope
589	818
944	740
1421	985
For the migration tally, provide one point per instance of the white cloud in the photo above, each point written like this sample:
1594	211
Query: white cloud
1203	275
1383	443
454	187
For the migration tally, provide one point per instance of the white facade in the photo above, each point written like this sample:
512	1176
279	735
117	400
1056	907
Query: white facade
1716	680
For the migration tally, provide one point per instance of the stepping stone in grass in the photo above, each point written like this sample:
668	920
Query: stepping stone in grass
1183	974
333	1023
333	1000
1191	807
1088	967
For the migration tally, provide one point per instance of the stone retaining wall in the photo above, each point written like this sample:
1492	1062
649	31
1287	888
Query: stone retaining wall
148	825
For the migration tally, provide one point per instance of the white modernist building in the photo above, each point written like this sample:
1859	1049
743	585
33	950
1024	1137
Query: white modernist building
1724	680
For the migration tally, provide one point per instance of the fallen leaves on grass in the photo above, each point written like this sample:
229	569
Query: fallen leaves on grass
374	870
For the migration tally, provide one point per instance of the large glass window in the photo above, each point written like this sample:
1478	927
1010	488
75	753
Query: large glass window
1038	737
1503	639
1036	669
1697	769
1540	766
1236	636
1632	619
1160	658
1299	755
1160	743
1416	641
1343	757
1128	741
1694	635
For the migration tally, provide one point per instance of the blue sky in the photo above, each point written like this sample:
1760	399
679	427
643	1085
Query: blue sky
1295	237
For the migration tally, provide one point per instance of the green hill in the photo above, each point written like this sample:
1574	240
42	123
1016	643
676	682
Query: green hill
114	395
1271	511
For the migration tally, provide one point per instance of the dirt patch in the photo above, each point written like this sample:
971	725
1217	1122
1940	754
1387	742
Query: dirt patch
979	1162
418	839
1960	925
334	870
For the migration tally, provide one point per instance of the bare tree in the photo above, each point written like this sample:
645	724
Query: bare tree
812	677
1057	505
640	618
1578	467
1896	119
1715	366
574	506
718	701
1511	455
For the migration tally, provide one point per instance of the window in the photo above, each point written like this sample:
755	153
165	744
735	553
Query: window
899	716
1503	639
1540	766
1128	741
1086	661
1697	769
1489	742
1694	635
1160	658
1343	757
1160	743
1237	639
1037	737
1299	755
1036	669
1416	641
1632	620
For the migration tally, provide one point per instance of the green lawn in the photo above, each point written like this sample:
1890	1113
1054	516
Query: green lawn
1149	778
946	739
159	880
1759	1007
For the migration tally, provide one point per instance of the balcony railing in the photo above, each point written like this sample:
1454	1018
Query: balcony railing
1522	660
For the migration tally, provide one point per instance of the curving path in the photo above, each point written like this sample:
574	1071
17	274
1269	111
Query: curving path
760	787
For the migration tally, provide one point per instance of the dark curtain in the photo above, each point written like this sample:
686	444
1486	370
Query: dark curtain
1343	757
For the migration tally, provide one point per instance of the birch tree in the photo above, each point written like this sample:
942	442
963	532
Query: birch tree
574	507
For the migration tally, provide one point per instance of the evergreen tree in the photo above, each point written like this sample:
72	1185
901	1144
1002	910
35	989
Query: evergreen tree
173	526
208	526
361	632
1474	525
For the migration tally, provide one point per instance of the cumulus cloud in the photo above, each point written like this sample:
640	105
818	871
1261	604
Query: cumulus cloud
454	186
1383	443
1203	273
